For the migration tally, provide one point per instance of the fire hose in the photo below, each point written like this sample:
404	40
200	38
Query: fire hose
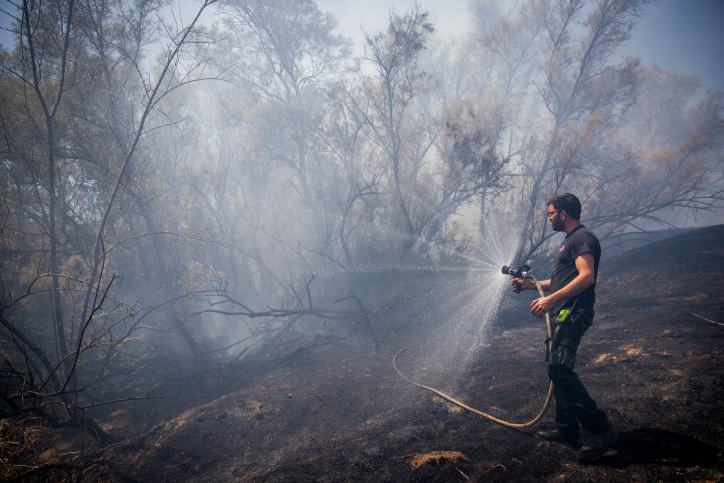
524	274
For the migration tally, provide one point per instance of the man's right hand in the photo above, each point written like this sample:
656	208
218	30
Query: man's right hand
524	284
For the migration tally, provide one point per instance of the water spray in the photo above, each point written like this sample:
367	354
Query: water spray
523	272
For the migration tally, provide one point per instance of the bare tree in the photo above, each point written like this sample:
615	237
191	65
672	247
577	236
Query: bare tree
404	137
45	77
673	158
155	91
67	53
283	53
471	163
580	86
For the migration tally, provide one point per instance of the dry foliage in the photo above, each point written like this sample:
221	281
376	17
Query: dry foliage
436	457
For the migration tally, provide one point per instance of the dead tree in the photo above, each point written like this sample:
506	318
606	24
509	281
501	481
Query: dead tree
293	315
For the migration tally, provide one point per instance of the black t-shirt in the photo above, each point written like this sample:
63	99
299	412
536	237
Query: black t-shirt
579	241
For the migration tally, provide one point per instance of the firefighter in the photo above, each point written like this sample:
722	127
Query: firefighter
571	300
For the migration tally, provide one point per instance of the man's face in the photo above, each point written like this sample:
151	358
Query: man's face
554	216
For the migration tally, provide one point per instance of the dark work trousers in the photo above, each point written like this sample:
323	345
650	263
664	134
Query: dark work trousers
573	404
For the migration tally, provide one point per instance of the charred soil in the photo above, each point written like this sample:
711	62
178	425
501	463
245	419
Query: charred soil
333	409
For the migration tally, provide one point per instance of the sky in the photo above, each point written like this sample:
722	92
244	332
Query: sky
685	35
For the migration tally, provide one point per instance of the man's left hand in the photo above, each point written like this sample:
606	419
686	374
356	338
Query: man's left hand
540	307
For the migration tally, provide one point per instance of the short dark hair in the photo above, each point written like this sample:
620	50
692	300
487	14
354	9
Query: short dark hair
568	203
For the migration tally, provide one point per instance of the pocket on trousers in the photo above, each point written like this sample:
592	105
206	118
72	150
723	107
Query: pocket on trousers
562	356
566	341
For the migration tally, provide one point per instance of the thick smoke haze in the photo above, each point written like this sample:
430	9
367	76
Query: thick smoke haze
180	196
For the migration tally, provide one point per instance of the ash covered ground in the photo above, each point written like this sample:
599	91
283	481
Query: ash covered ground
331	408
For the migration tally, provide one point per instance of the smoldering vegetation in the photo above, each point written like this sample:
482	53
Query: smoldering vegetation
179	193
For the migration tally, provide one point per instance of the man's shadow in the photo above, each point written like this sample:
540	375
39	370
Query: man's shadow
659	447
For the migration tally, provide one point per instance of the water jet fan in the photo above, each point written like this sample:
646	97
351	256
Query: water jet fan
522	272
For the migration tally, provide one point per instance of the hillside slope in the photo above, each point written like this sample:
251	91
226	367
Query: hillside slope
333	409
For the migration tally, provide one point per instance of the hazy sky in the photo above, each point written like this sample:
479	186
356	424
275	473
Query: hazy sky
686	35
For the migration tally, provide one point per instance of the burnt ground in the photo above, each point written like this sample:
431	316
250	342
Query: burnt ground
331	408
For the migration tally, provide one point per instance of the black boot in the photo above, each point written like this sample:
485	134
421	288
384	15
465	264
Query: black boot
598	444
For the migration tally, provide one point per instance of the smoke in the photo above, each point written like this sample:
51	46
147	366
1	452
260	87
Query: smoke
272	175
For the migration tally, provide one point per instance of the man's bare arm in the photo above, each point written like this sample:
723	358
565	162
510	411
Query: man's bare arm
585	278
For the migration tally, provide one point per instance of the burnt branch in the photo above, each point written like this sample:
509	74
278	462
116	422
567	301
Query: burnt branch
275	313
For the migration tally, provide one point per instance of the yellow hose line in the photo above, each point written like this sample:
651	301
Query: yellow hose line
455	401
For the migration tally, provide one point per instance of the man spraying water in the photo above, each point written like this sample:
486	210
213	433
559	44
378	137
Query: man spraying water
572	296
